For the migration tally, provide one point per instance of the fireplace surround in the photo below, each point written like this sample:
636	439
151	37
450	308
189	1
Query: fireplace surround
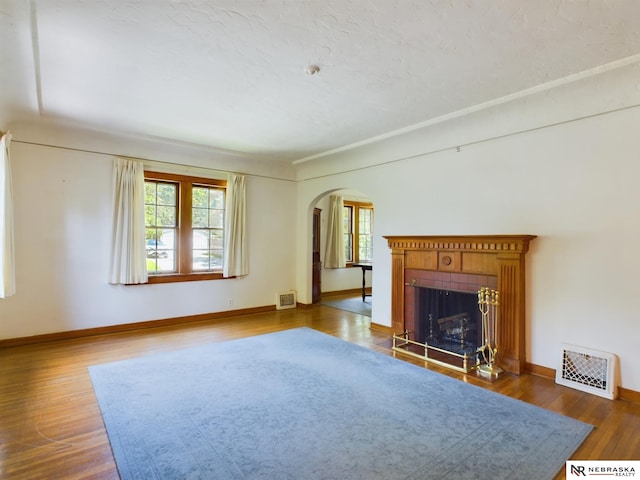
463	264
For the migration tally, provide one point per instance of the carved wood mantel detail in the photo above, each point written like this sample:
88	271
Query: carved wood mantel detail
496	255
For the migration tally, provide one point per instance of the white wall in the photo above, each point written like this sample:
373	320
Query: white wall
63	220
573	182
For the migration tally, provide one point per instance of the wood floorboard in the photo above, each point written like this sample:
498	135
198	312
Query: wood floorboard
51	427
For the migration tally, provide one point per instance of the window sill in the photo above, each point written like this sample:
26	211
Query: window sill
188	277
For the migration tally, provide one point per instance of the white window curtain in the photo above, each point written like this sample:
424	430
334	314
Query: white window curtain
7	251
128	254
334	252
236	262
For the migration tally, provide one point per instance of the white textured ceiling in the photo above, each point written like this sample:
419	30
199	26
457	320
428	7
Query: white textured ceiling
230	74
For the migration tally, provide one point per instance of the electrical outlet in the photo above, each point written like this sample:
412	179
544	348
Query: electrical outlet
230	302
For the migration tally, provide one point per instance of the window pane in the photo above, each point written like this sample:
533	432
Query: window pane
347	223
365	237
200	249
347	226
149	192
216	199
199	217
166	216
215	254
216	258
348	248
216	239
200	197
161	252
207	249
168	238
208	221
166	194
366	221
216	218
150	215
162	263
160	211
200	239
365	249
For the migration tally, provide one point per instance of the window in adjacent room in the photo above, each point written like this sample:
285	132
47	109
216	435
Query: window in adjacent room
184	226
358	231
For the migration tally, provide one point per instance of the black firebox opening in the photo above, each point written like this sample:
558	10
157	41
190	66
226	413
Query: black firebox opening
449	320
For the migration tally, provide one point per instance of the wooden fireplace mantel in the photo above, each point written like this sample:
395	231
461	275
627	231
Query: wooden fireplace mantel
501	256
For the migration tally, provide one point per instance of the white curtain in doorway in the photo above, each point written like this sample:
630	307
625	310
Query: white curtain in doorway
334	253
128	254
236	261
7	249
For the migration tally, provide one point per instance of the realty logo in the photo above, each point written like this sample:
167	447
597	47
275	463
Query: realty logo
578	470
602	468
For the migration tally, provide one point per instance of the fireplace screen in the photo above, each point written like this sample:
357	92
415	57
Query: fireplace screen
449	320
447	328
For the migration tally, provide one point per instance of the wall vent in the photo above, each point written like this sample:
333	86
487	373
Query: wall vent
286	300
588	370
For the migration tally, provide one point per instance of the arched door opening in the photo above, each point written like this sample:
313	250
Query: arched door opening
349	279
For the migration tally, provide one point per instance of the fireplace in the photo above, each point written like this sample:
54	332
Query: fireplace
435	281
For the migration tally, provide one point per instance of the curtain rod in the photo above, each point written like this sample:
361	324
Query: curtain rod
96	152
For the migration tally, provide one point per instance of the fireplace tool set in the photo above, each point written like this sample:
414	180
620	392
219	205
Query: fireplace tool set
488	301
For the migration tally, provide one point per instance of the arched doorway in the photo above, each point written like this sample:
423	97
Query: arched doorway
358	235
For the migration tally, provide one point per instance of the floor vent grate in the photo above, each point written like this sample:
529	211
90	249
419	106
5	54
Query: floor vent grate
286	300
588	370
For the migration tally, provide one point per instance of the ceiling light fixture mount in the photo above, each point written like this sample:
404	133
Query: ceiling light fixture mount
312	69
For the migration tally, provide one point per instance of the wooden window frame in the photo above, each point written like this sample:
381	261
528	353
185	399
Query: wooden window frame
355	219
184	260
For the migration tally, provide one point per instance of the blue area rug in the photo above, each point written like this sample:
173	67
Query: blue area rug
300	404
354	305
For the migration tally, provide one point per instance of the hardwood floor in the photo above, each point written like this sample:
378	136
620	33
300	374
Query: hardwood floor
51	427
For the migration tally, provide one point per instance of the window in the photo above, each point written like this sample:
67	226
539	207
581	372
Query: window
358	231
207	227
184	227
